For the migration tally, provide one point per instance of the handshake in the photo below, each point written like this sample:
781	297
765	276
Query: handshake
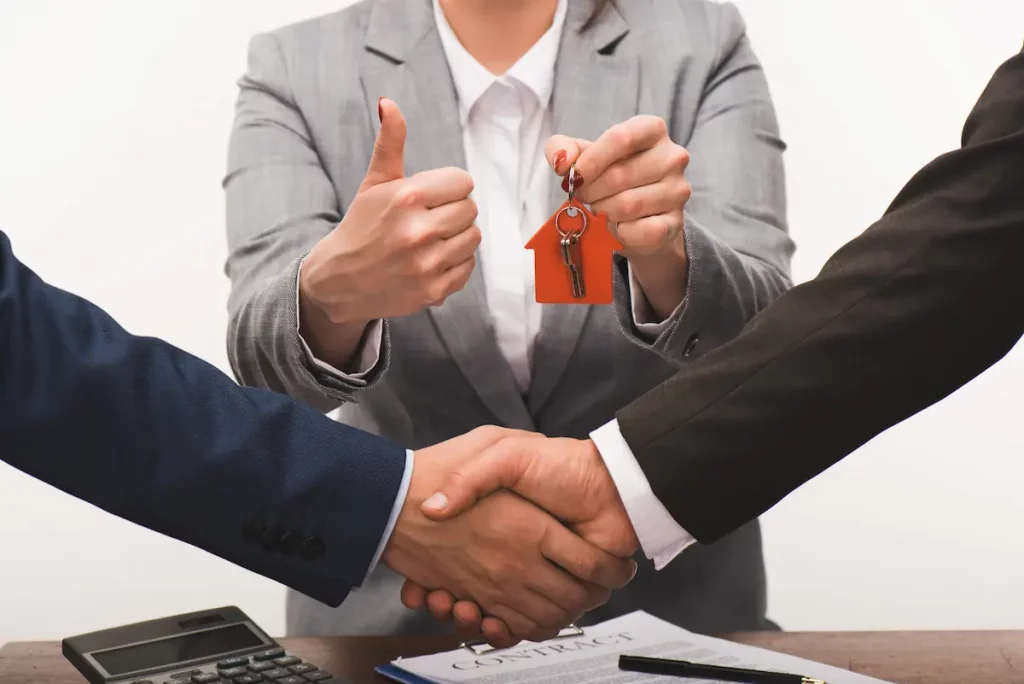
512	534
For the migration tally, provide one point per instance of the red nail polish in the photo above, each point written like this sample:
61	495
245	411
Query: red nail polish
380	110
559	159
577	183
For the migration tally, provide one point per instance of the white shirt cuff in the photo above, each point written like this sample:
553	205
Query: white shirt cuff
661	537
403	490
367	355
644	318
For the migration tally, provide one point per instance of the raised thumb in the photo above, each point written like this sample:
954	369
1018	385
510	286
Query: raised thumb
388	160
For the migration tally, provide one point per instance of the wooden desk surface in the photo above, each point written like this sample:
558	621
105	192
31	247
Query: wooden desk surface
903	657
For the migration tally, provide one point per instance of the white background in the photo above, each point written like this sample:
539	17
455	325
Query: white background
113	123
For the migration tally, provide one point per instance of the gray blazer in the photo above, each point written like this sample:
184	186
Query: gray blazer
302	137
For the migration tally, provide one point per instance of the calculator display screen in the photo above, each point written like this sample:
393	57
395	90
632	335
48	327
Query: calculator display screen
211	642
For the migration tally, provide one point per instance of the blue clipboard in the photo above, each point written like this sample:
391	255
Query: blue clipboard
397	674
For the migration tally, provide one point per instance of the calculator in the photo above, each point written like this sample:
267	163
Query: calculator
219	646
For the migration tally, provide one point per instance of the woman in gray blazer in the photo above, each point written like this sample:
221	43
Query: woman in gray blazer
382	184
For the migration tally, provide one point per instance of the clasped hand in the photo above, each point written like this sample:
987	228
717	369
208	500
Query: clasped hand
503	566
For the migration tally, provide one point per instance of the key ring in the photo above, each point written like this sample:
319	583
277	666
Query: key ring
570	210
571	180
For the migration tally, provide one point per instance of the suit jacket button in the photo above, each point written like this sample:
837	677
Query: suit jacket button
291	542
271	540
312	549
690	344
253	531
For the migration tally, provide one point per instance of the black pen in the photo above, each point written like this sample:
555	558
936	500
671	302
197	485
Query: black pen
682	668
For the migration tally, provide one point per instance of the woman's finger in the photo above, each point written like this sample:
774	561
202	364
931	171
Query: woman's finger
649	234
561	152
646	168
619	142
670	194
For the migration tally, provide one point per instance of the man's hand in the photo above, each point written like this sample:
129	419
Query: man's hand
635	174
566	477
506	555
403	245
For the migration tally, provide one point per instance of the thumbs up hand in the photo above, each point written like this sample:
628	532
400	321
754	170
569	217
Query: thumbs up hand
403	245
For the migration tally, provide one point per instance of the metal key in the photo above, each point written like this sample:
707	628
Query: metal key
571	257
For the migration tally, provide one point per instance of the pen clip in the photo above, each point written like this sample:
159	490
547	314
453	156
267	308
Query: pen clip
479	646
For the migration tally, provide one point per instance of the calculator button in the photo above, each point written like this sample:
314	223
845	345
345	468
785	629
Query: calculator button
318	675
276	673
248	679
183	675
269	655
232	662
286	661
261	667
228	672
293	679
302	667
142	681
205	678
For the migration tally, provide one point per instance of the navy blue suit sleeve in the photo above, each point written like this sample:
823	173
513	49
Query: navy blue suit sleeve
154	435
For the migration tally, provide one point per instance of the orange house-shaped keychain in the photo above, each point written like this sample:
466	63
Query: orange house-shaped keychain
573	245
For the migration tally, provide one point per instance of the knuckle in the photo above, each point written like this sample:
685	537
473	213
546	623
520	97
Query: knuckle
659	124
488	432
425	264
657	234
412	237
676	222
436	291
407	197
618	178
463	178
585	567
686	191
680	158
621	135
630	205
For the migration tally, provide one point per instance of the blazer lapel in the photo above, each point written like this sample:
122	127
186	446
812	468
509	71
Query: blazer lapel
595	88
405	62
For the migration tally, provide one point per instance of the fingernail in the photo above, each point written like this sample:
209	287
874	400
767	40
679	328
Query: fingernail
380	110
559	159
436	502
577	183
633	574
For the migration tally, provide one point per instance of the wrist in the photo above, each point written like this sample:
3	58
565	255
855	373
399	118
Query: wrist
662	275
332	341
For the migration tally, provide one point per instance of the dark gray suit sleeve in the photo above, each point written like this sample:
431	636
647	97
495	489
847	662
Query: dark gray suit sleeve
917	306
280	203
737	242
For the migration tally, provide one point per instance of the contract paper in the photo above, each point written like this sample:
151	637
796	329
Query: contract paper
593	658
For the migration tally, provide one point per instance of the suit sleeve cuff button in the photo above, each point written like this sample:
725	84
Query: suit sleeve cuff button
312	549
291	542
